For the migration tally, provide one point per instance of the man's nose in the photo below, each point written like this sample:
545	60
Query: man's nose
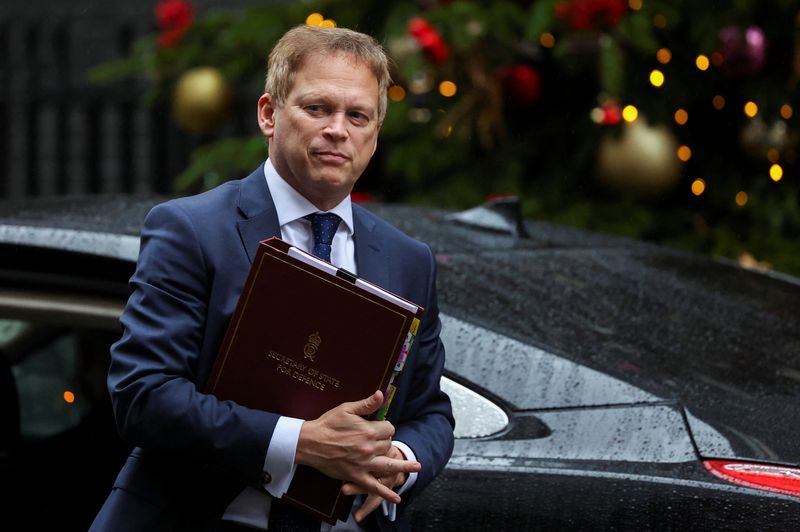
336	125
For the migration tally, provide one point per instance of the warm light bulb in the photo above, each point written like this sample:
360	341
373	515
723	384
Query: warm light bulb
327	23
786	111
635	5
447	89
773	155
684	153
664	56
776	172
314	19
69	397
698	187
741	198
718	102
656	78
751	109
547	40
396	93
660	21
681	117
702	62
630	113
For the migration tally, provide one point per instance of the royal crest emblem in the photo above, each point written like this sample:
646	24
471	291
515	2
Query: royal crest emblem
310	349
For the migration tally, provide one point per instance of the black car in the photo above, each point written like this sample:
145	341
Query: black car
598	382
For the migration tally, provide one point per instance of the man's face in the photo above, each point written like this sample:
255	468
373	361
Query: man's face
323	136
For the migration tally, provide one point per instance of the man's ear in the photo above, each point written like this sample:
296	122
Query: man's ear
266	115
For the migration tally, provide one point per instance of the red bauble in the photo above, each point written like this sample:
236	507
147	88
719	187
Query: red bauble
429	40
434	47
170	37
611	116
172	14
522	84
173	17
418	26
591	14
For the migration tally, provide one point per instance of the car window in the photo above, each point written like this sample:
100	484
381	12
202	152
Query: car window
58	371
54	354
525	376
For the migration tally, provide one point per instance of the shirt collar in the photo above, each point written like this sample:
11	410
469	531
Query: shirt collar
291	205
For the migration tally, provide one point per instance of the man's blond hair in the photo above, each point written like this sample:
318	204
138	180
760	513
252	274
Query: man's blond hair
290	52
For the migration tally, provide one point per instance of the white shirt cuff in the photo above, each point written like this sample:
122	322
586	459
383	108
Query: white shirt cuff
279	466
390	508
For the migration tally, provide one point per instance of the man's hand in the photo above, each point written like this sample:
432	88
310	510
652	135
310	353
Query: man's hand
390	480
344	445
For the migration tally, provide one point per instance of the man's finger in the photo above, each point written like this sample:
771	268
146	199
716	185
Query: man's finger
384	466
369	506
351	488
371	486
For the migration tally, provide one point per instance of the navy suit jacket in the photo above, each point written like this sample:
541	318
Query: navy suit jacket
193	453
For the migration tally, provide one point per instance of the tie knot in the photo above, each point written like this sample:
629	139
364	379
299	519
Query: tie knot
323	226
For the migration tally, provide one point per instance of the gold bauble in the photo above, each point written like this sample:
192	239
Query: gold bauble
642	161
201	100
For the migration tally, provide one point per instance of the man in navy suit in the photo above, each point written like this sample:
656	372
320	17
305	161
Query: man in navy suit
204	464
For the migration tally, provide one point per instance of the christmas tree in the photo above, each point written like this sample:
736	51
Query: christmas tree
662	120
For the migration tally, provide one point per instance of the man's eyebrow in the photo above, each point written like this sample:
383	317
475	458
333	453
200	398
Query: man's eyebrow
310	97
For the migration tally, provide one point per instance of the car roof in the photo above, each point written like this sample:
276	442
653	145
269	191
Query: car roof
84	243
88	224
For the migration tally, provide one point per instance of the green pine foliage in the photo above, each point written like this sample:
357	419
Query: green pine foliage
534	136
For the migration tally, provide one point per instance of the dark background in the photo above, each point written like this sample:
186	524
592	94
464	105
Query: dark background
62	134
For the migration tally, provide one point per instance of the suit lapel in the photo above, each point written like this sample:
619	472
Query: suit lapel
372	254
261	222
260	216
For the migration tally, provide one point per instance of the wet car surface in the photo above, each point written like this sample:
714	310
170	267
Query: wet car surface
593	377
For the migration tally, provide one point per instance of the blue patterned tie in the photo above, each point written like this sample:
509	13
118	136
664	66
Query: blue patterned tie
323	225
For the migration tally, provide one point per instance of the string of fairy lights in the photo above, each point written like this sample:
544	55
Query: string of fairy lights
657	79
610	112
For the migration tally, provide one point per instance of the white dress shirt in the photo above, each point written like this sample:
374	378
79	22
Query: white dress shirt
252	506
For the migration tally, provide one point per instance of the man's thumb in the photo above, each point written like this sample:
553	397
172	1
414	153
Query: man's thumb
369	405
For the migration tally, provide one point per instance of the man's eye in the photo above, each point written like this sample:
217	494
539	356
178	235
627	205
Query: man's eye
359	117
315	109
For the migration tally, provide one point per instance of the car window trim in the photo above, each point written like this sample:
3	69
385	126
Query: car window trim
61	308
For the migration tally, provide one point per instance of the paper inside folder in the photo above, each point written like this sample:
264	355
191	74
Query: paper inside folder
311	260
